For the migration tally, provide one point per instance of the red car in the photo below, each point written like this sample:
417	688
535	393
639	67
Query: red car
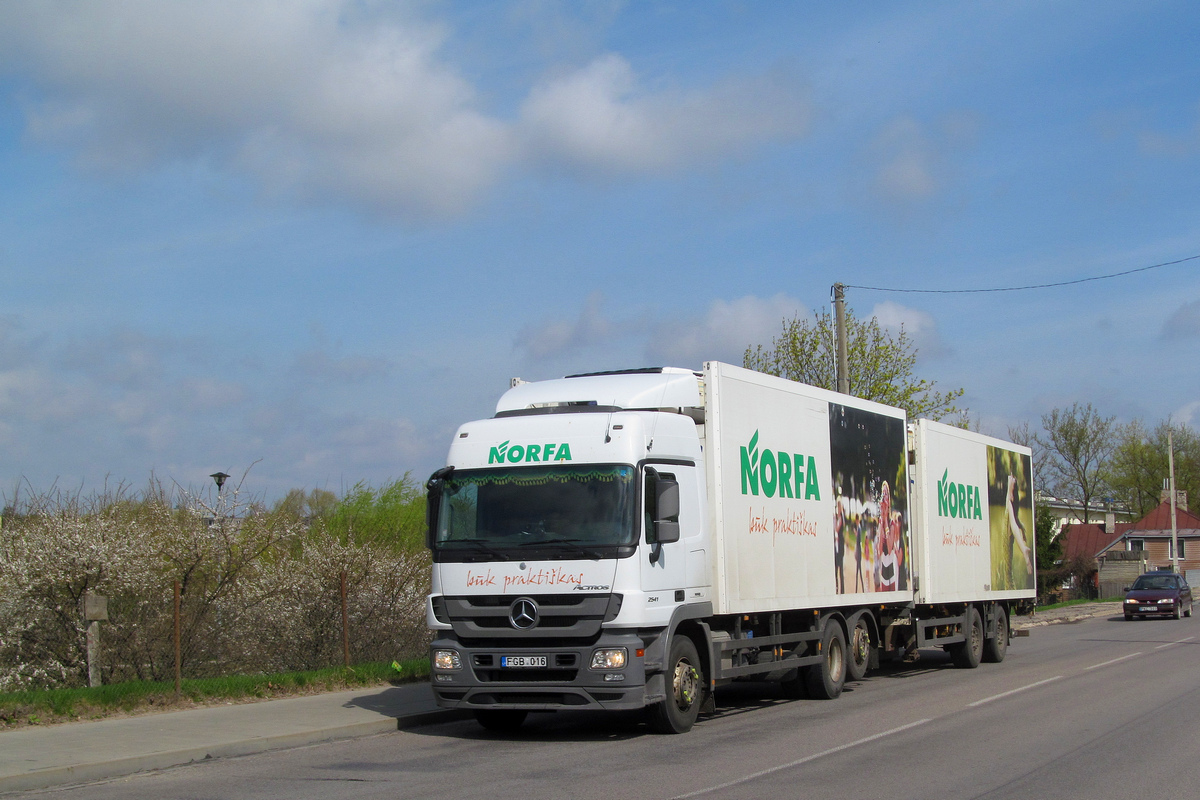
1158	594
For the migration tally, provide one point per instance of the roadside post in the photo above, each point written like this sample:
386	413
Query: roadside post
95	611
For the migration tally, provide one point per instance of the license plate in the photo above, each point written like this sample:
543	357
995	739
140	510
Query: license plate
522	661
1148	608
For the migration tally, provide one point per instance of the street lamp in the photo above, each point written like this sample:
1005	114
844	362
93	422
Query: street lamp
219	477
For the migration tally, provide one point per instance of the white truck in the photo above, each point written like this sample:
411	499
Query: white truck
636	539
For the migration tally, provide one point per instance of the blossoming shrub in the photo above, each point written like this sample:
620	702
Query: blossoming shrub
260	591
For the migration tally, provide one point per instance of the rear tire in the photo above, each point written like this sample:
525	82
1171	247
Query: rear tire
995	649
685	690
858	658
500	720
826	679
966	655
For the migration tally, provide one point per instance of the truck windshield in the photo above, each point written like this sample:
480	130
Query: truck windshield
575	511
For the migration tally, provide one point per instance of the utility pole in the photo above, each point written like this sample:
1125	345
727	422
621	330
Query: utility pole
1174	528
839	323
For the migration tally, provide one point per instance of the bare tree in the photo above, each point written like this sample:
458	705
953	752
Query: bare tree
1023	435
1078	444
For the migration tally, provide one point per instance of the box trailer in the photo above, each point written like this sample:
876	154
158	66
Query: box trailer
636	539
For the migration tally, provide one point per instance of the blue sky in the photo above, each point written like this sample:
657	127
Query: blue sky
316	236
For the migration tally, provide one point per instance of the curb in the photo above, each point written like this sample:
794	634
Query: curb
120	767
1068	616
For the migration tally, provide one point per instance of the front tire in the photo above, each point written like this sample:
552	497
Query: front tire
995	649
966	655
826	679
685	690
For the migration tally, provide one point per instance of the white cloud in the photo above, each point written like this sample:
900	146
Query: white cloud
596	340
1188	414
334	100
724	332
1184	323
909	161
305	96
562	337
599	118
919	325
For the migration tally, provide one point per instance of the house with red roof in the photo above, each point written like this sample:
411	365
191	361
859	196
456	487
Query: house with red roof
1123	550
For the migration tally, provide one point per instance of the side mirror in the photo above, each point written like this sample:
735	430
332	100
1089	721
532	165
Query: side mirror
666	506
433	500
1126	589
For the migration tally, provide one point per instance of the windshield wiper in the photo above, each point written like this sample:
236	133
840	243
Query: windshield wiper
570	543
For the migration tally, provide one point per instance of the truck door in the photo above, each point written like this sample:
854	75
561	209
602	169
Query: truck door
666	567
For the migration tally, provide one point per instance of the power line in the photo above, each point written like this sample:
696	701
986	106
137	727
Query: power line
1024	288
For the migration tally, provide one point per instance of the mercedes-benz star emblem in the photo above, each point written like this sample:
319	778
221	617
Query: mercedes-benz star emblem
523	614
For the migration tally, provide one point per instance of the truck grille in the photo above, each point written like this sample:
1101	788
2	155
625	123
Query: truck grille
560	616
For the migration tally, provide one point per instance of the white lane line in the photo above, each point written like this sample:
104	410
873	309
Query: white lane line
1177	641
1115	660
800	761
1012	691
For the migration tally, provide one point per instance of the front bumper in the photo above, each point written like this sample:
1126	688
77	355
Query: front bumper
1163	608
566	682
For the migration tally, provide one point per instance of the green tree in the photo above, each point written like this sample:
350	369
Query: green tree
1138	466
1049	551
882	365
1077	445
301	504
392	515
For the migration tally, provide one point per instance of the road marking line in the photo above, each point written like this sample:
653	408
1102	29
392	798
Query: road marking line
1177	641
1115	660
1012	691
800	761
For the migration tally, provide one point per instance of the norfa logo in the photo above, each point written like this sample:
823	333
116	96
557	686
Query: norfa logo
787	474
957	500
517	453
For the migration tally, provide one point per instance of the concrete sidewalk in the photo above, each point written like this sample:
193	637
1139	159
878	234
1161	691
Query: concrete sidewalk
38	757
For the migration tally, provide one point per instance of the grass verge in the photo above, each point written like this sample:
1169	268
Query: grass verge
1068	603
48	706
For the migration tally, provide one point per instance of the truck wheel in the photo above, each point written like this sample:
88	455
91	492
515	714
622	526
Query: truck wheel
995	649
966	655
860	651
826	679
685	690
501	720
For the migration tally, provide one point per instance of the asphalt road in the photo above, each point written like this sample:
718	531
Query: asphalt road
1097	709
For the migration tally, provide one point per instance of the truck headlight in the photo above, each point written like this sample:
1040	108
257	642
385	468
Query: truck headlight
609	658
446	659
